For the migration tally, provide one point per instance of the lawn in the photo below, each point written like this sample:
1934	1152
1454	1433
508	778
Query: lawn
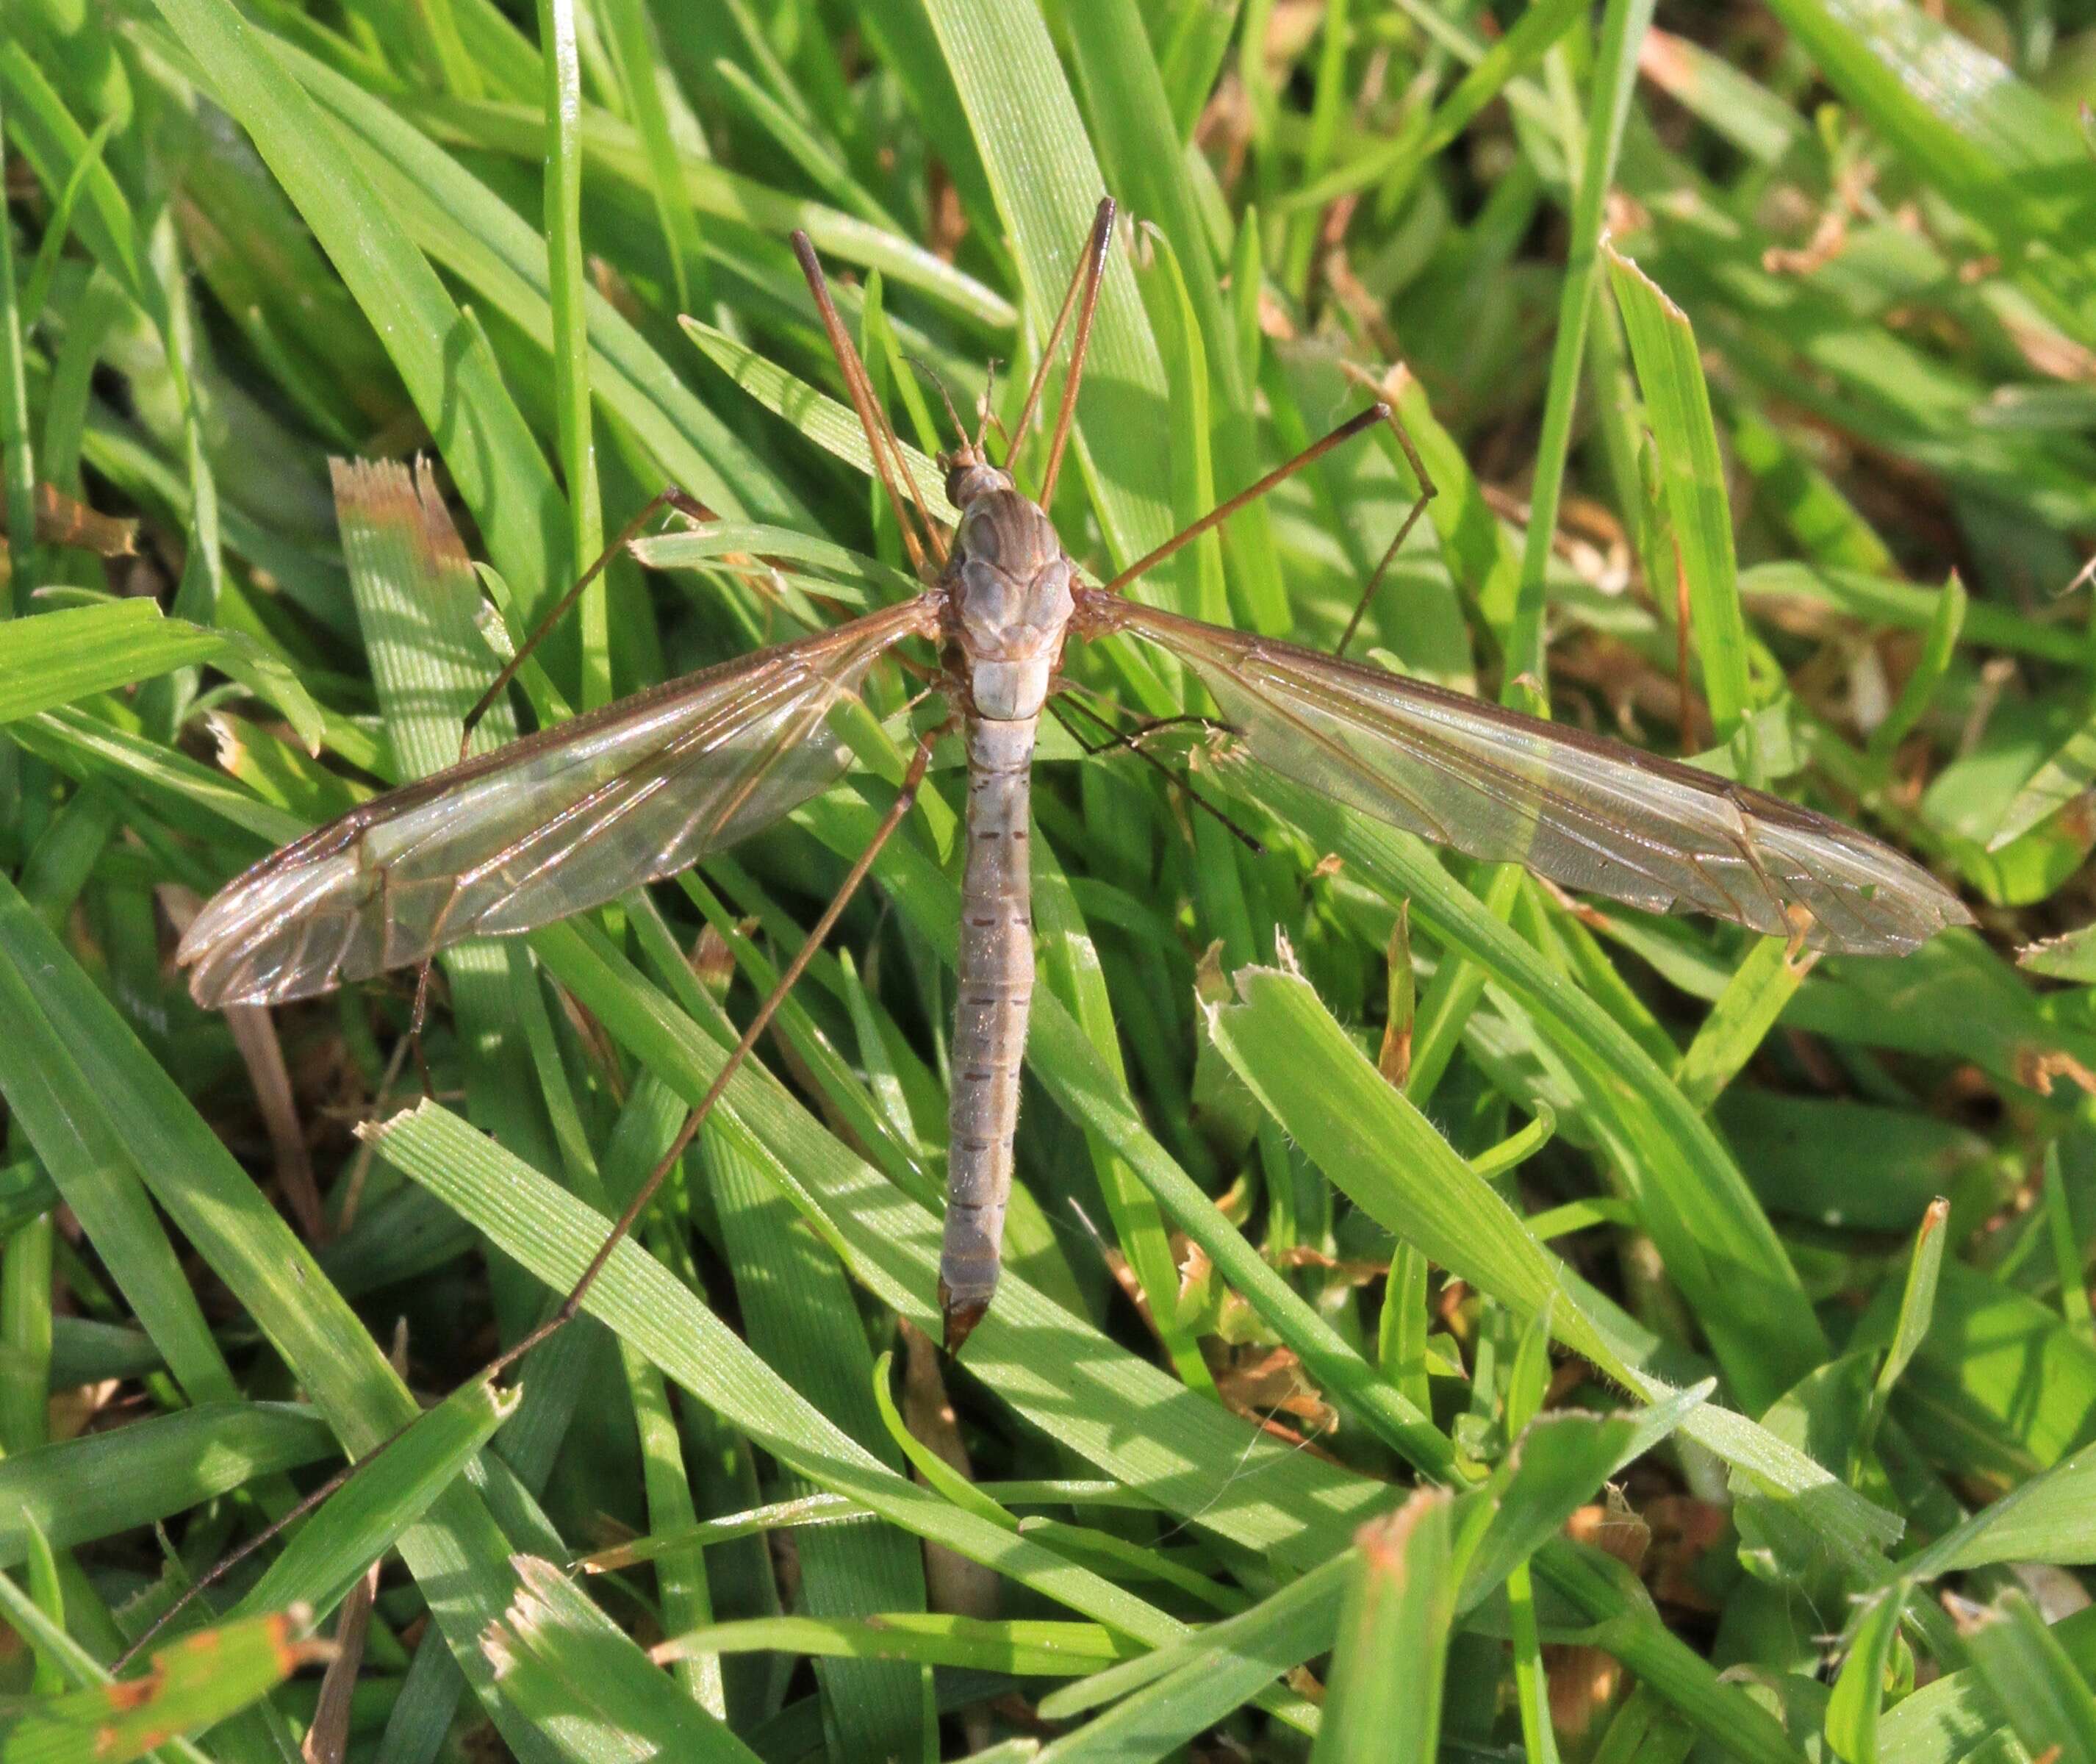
1444	1316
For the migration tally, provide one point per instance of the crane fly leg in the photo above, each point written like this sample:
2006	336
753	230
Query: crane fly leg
913	779
1094	270
1134	738
1086	276
1067	700
668	497
1353	425
1427	492
888	464
570	1305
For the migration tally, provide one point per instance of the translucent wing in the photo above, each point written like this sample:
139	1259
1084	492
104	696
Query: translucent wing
562	820
1586	812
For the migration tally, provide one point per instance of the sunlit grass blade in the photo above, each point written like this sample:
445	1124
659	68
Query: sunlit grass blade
68	654
1697	1192
1614	69
357	1525
1395	162
571	352
1130	116
611	145
55	1106
1678	402
75	1491
492	456
1917	1312
230	1224
2034	1681
1393	1639
18	463
1047	183
1334	1102
191	1685
1946	629
465	225
2064	777
2046	1519
1853	1710
1559	1463
1762	984
847	576
1027	1647
1173	1692
555	1235
1501	1162
632	34
798	1313
2072	956
1984	137
822	419
573	1672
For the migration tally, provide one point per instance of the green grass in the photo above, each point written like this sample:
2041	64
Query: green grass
1322	1344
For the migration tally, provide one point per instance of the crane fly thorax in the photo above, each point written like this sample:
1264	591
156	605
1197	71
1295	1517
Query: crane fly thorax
1009	587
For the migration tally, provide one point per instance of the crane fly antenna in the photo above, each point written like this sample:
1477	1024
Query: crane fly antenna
953	416
888	464
1087	271
988	400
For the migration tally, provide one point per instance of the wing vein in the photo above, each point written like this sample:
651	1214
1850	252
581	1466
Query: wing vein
558	822
1585	811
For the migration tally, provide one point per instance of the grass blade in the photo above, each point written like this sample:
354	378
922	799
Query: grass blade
1678	403
1047	182
492	457
571	352
200	1681
1393	1639
1623	27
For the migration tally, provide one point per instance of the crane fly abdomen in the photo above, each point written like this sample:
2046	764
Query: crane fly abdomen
995	976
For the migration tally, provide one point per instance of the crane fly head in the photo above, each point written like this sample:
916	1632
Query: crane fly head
970	476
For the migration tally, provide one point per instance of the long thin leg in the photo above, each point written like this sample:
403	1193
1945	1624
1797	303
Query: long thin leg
571	1307
1427	492
1353	425
1095	264
888	461
1064	702
1084	276
422	1016
669	497
912	780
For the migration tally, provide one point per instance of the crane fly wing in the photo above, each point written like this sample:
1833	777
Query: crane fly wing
562	820
1586	812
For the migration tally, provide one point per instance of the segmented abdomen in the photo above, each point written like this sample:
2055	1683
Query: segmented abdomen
996	970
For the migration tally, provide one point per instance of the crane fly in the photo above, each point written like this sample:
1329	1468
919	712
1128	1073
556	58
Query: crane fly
574	816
